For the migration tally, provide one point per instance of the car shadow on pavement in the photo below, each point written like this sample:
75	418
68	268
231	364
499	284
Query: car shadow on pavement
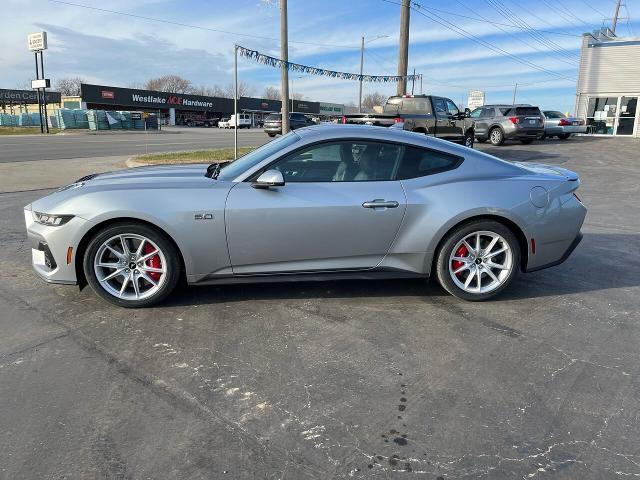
596	264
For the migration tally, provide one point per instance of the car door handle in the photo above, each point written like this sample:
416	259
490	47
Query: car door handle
380	203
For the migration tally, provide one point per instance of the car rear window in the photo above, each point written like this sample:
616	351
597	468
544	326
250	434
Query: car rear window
527	111
554	114
272	116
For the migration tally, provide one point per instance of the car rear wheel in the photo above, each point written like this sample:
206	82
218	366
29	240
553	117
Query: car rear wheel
131	265
468	139
478	260
564	136
496	137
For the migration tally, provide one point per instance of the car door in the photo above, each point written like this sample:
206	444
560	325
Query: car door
482	121
338	210
456	122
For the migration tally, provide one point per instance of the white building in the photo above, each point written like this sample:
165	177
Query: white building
608	85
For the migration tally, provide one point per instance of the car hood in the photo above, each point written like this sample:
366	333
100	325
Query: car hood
156	174
112	185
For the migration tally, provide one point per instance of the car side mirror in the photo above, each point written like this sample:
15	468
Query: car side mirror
467	112
270	178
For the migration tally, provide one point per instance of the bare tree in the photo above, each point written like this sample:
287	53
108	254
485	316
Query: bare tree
297	96
69	86
370	100
271	93
169	83
215	91
244	90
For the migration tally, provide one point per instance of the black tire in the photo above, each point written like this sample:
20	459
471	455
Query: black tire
171	255
564	136
496	136
543	136
469	138
445	250
526	141
271	134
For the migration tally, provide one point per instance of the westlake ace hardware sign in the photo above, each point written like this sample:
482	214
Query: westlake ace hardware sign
128	97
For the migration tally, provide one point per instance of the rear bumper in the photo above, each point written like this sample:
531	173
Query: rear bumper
524	134
565	255
558	130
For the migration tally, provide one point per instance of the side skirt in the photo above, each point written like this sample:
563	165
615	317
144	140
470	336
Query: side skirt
310	277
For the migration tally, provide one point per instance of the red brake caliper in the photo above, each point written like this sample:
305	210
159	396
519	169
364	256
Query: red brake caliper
153	262
461	252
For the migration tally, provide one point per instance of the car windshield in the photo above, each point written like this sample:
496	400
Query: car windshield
272	117
237	167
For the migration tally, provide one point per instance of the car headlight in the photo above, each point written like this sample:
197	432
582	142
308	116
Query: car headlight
50	220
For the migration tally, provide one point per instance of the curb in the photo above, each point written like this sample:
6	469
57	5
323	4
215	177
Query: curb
131	163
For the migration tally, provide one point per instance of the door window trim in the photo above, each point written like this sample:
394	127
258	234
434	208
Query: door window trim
459	159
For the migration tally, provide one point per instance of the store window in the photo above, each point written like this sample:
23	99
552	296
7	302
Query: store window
627	118
601	115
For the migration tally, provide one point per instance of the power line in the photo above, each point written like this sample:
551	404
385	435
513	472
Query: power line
199	27
443	22
493	22
511	34
511	16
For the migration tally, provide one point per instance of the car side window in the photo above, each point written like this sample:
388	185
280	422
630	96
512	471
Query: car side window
420	162
504	111
452	108
487	112
348	161
440	105
476	113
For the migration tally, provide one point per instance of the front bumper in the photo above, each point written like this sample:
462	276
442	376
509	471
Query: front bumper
276	130
50	245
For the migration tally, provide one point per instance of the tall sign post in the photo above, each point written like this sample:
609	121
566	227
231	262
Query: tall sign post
37	43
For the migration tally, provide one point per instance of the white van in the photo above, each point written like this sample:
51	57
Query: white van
243	122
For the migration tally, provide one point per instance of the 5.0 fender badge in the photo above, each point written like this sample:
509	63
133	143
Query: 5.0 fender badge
203	216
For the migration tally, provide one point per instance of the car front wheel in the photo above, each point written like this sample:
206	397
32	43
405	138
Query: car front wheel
478	260
131	265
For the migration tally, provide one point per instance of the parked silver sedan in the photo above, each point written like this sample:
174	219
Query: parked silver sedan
557	124
324	202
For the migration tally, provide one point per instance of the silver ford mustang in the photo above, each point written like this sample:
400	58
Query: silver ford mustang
324	202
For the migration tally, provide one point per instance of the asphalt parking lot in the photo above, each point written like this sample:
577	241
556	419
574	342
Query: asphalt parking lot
386	379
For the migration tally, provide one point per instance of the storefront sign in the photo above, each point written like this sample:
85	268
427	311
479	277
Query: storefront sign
26	96
476	99
331	109
37	41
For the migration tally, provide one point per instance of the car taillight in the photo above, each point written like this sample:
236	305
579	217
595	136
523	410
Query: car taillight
514	120
397	120
343	120
564	122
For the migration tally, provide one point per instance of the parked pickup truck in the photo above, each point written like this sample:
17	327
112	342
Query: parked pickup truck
434	116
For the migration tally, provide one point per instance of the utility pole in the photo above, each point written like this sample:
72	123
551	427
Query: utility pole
361	67
235	102
284	74
403	53
514	94
615	17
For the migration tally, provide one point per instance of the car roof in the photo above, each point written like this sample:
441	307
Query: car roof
332	131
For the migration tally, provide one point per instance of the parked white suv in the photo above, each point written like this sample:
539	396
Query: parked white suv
244	121
223	123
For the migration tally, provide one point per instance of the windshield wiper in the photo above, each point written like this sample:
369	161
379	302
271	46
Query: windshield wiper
213	170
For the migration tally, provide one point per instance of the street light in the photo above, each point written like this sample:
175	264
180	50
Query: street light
362	65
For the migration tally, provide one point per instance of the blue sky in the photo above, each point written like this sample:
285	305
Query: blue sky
124	51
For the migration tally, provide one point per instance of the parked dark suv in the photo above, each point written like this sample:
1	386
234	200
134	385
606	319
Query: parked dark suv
498	123
273	123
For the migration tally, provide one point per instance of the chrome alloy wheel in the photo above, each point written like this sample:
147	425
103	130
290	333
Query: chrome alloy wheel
130	266
496	136
480	262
